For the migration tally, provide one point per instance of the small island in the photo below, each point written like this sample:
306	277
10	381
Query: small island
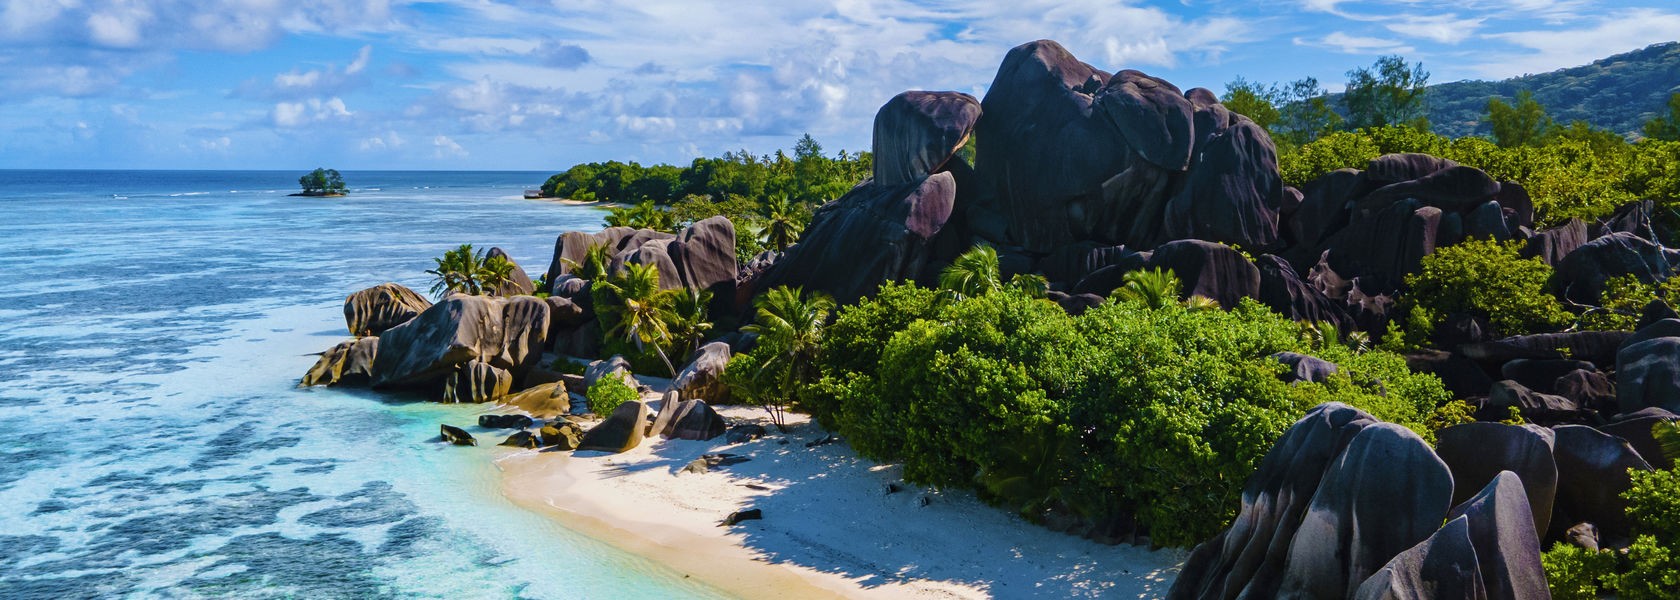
322	183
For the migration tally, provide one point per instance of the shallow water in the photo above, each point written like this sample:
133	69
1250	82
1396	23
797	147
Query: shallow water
152	445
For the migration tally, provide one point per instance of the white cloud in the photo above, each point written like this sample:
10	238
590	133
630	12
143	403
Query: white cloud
1446	28
443	147
1354	44
291	115
1552	49
389	141
298	83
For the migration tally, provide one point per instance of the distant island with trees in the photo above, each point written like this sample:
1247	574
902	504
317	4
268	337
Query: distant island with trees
322	183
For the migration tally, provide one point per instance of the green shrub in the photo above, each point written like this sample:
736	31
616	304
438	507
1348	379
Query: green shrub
1489	279
1575	573
568	366
607	393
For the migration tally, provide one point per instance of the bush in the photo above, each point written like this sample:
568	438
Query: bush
568	366
1575	573
1488	279
607	393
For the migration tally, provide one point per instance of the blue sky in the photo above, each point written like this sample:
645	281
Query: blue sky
540	85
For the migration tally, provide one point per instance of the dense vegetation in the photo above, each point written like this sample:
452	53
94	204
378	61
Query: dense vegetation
1619	94
321	182
469	271
1650	568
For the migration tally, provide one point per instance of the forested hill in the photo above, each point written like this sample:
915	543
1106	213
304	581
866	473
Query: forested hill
1619	93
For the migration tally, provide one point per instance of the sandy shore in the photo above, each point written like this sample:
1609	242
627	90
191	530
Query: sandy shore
830	527
594	203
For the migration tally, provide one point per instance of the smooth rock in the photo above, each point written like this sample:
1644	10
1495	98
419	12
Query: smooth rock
456	435
620	431
1477	453
381	307
349	363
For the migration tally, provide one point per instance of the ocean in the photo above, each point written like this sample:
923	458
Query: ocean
153	327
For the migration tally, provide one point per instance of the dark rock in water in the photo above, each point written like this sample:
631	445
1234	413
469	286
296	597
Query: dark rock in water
619	432
1582	535
1384	494
1210	270
1460	376
1637	432
521	439
745	432
1443	567
1540	374
702	378
1592	474
475	381
456	435
1598	347
694	420
381	307
1395	168
751	514
518	283
348	363
504	421
1589	389
1234	193
525	326
1285	292
1040	144
916	132
873	234
457	330
1251	556
1648	374
563	435
1534	406
1582	273
1478	452
1302	367
1551	245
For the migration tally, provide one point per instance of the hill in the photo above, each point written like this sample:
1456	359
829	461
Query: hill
1618	93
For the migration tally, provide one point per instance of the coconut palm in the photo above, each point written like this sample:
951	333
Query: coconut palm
792	324
688	320
464	270
1667	434
973	274
1033	284
597	259
636	308
782	226
1157	288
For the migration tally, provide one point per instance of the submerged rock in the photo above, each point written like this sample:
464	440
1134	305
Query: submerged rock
521	439
504	421
456	435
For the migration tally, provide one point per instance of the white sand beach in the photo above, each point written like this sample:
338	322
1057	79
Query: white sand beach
830	529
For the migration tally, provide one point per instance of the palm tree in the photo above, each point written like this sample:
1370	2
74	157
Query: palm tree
597	260
466	271
973	274
1033	284
1155	288
688	323
792	324
639	311
782	226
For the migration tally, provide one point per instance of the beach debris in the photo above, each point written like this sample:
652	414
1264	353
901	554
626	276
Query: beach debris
564	435
745	432
711	461
924	501
754	486
456	435
826	440
892	488
619	432
751	514
504	421
521	439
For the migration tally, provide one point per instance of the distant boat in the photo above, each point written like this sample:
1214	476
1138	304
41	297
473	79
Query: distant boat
533	194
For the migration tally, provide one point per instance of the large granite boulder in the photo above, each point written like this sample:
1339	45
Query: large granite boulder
873	234
1533	406
1384	494
1597	347
1636	428
518	283
692	420
1210	270
704	255
571	247
1304	368
615	366
457	330
702	378
381	307
1039	146
1478	452
1648	375
1284	291
475	381
1152	115
619	432
1507	545
1251	556
1324	206
1582	273
348	363
1452	189
525	327
655	253
916	132
1386	243
1592	474
1395	168
1443	567
1233	193
1540	375
1551	245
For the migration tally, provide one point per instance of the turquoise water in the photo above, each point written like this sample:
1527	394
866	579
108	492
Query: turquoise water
152	445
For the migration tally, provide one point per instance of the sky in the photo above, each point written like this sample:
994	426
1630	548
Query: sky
541	85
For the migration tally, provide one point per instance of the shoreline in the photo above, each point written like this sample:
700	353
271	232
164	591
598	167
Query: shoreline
584	203
830	529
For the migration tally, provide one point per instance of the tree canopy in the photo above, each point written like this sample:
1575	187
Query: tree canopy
1525	124
322	181
1390	92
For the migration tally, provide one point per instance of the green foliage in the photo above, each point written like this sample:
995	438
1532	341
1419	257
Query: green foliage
597	260
643	216
1489	279
973	273
1338	150
1666	127
607	393
1031	284
1253	100
1575	573
631	307
807	177
1525	124
1294	113
1155	412
1654	558
689	320
322	181
1617	93
789	325
1667	435
1157	288
1619	304
568	366
467	271
1390	92
783	222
